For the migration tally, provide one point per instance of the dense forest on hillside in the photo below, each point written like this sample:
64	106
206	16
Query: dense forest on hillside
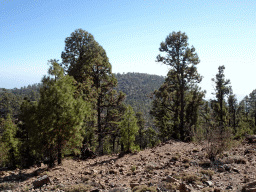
81	104
138	88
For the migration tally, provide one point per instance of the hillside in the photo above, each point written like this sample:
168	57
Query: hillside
137	87
162	168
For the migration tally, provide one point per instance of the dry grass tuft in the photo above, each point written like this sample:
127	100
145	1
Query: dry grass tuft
207	172
144	188
78	188
8	186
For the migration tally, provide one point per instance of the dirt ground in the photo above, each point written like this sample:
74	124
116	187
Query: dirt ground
185	162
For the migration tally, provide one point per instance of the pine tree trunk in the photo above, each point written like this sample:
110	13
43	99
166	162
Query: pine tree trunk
59	156
255	118
100	140
234	115
182	109
122	147
128	136
100	136
51	163
59	152
140	136
221	113
113	143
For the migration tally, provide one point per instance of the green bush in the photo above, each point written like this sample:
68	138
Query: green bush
243	127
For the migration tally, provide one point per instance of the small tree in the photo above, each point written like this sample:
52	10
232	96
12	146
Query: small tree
60	115
3	146
141	124
113	117
252	104
27	126
10	143
152	137
129	128
244	123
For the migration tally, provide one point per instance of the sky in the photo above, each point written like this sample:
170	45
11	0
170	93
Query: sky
130	31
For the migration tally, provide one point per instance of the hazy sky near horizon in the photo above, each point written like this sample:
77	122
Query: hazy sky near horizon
223	33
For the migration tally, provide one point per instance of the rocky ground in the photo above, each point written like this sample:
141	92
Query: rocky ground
171	166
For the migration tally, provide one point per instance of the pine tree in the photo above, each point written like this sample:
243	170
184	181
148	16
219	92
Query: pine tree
85	58
252	103
27	117
181	77
10	142
141	131
194	100
9	103
129	129
165	108
3	145
205	112
113	117
232	106
244	122
151	135
221	91
60	115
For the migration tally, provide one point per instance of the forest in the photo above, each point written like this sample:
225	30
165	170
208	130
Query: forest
82	104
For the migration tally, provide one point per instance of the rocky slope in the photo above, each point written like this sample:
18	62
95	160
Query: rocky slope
171	166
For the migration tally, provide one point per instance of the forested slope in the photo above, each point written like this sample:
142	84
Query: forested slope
137	86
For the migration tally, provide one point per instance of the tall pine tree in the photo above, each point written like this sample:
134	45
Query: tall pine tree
85	58
222	90
181	77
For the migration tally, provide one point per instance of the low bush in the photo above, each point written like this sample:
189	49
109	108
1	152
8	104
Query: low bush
207	172
144	188
219	139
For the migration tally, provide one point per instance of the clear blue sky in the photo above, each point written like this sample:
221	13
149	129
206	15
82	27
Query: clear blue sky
223	33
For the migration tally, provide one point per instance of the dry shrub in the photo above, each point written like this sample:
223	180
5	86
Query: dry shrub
166	186
207	172
218	139
150	167
187	177
144	188
78	188
191	178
